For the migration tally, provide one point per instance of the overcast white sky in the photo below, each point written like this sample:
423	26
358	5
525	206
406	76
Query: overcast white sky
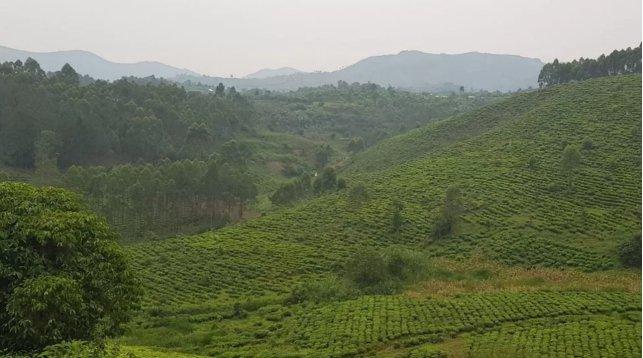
241	36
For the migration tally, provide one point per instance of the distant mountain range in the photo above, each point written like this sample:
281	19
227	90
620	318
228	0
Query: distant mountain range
269	72
411	70
88	63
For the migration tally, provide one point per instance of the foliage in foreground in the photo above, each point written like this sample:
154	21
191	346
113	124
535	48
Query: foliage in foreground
62	274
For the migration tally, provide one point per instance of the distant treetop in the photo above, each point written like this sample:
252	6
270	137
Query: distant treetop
617	63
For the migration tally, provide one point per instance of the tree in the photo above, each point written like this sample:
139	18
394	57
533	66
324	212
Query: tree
356	144
220	90
244	190
396	215
234	152
322	155
46	151
68	74
326	181
570	160
358	194
453	203
145	139
630	252
197	141
32	67
210	184
63	275
449	213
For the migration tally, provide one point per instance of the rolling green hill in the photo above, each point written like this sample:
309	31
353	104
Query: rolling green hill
521	210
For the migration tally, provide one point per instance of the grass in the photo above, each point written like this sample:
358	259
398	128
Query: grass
449	278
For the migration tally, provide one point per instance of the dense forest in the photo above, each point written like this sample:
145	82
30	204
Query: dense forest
57	119
616	63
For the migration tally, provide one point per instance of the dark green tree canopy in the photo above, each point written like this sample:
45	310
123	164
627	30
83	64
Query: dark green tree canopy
617	63
62	274
98	122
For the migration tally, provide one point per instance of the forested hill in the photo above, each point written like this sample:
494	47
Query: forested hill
56	120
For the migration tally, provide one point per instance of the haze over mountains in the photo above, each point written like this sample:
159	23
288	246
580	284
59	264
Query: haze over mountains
410	70
269	72
88	63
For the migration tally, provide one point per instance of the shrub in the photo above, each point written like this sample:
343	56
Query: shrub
367	269
405	265
384	272
324	290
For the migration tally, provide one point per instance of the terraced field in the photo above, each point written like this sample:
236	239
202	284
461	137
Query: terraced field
521	210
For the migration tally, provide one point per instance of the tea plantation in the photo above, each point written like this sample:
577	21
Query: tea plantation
522	207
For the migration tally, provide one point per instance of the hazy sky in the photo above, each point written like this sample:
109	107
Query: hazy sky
240	36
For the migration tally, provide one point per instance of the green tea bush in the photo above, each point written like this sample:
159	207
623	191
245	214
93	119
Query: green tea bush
581	336
369	321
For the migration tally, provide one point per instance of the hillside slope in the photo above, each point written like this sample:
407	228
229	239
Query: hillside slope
512	281
506	159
